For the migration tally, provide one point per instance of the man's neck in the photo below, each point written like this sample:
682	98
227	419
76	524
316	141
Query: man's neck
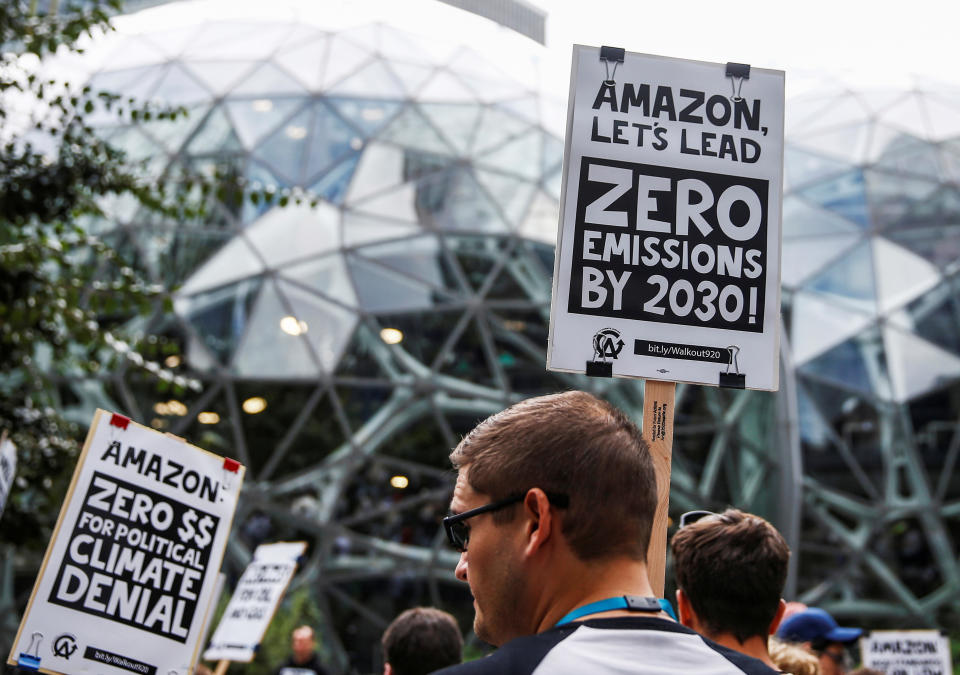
601	580
754	646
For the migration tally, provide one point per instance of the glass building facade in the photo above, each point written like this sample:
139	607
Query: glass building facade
341	350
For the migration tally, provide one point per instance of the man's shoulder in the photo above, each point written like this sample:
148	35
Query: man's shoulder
634	645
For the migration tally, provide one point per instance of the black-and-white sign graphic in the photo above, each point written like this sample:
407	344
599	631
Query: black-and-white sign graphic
670	221
907	652
128	577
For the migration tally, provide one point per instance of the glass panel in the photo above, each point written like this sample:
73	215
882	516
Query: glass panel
892	196
915	365
172	133
327	275
411	129
808	113
178	87
818	325
384	291
905	275
380	167
552	153
332	325
512	195
813	428
331	140
275	345
467	360
907	114
235	260
187	251
359	229
135	82
803	257
368	115
526	107
850	281
455	201
455	121
267	81
444	86
495	128
135	144
219	76
943	116
344	57
136	51
305	61
542	220
295	232
363	358
221	317
412	76
844	195
424	332
372	80
239	40
803	219
909	155
934	317
253	119
258	177
940	244
172	41
854	365
215	135
847	143
394	205
284	150
418	257
804	167
333	185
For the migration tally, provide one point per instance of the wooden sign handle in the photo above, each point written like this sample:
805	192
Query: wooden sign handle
657	431
221	667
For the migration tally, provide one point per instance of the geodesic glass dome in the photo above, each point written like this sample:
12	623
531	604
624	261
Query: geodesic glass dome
870	263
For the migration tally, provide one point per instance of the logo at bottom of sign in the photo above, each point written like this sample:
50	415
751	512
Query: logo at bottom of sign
607	344
64	646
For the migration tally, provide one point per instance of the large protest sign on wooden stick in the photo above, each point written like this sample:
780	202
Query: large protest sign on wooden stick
668	251
129	573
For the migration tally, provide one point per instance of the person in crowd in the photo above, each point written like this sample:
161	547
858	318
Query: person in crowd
730	570
819	634
303	658
552	512
792	659
420	641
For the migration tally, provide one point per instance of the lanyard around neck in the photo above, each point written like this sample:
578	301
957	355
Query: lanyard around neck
631	603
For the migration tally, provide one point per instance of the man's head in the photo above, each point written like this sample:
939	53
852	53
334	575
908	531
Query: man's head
420	641
582	479
302	644
816	630
730	570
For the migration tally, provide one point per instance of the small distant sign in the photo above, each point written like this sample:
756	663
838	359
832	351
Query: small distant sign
130	571
254	602
668	254
8	468
907	652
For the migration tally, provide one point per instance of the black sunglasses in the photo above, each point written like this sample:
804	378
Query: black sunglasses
458	532
690	517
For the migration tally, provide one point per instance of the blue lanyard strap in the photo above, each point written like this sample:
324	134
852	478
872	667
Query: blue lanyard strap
632	603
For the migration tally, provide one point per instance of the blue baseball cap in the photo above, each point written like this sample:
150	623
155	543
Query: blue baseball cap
812	624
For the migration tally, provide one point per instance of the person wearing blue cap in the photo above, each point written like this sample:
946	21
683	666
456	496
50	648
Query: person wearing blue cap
819	633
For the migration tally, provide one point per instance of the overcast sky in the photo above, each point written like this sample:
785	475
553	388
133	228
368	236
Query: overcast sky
869	43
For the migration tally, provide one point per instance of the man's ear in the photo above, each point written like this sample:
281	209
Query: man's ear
778	617
685	611
387	669
539	522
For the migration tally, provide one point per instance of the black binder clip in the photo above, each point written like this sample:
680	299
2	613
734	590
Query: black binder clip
737	72
600	368
614	54
736	379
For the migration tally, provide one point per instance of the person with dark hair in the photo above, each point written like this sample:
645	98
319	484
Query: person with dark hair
552	513
818	633
730	570
420	641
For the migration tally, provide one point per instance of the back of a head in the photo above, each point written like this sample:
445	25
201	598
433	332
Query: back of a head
572	444
792	658
732	567
422	640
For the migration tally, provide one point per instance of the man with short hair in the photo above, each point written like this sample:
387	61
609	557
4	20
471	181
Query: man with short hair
730	569
552	513
420	641
817	631
304	660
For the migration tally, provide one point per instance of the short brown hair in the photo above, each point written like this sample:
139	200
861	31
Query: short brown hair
422	640
577	445
733	567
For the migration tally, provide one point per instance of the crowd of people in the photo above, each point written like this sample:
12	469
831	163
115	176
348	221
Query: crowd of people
552	513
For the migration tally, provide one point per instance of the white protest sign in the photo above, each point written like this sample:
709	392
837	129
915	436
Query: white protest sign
128	575
8	469
254	602
668	253
906	652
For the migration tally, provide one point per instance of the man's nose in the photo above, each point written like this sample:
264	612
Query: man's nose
461	571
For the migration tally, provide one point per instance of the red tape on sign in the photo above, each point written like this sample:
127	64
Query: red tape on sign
231	465
119	421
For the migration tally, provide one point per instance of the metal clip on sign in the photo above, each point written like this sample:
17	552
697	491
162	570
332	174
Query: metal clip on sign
736	379
614	54
30	659
737	72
